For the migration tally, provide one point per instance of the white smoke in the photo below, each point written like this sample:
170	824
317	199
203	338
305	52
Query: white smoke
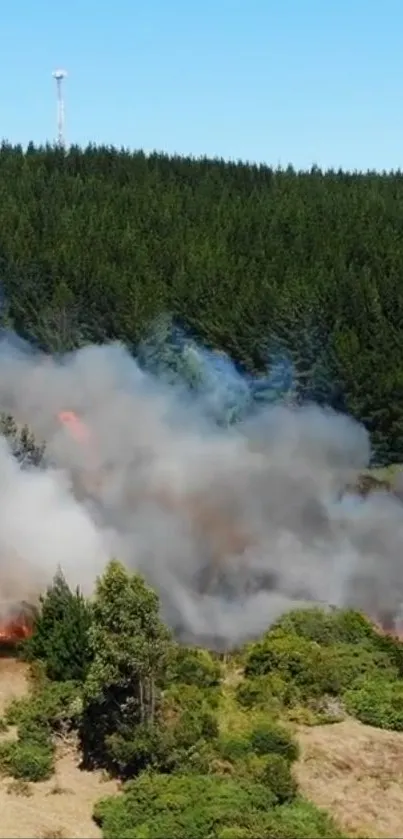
232	526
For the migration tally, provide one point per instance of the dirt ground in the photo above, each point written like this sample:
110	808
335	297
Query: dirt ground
60	808
356	773
13	680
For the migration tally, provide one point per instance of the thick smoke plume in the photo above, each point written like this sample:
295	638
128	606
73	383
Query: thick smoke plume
232	522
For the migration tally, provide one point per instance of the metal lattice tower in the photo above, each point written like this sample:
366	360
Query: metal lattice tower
59	75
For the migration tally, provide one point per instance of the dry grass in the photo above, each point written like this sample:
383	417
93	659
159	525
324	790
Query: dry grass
13	681
60	808
355	772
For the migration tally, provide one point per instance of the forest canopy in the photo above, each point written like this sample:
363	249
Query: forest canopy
97	244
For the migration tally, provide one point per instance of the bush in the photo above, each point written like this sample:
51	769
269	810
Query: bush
296	659
267	738
349	662
30	761
178	740
277	775
377	702
55	705
132	750
47	710
306	671
352	627
288	653
327	626
270	692
185	709
27	760
186	696
185	742
196	807
32	732
188	715
234	832
194	666
184	807
233	748
300	820
251	755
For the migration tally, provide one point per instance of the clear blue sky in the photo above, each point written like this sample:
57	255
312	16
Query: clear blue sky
275	81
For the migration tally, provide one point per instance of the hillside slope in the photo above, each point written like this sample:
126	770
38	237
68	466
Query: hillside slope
355	772
60	808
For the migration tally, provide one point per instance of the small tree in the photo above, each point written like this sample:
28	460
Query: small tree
22	442
60	634
130	649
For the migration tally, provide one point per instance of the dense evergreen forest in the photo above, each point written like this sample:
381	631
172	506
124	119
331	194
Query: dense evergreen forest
95	244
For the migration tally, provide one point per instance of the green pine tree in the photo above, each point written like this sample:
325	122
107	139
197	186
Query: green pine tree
60	636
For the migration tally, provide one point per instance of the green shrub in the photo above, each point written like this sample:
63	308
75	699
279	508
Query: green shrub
234	832
185	742
269	737
26	760
177	696
349	662
133	749
196	807
194	666
327	626
299	820
56	704
377	701
277	775
290	655
296	659
30	761
309	669
37	717
188	714
270	692
233	748
353	627
6	747
392	648
178	740
184	807
192	725
31	731
313	624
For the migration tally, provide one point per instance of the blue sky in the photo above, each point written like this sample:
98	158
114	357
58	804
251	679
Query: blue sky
274	81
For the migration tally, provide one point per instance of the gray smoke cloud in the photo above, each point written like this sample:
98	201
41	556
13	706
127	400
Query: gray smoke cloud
232	526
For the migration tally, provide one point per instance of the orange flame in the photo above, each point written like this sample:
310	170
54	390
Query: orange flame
75	426
392	631
15	629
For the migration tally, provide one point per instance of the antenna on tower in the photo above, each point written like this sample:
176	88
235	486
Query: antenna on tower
59	75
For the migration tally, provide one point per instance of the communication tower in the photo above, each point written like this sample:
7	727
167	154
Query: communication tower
59	75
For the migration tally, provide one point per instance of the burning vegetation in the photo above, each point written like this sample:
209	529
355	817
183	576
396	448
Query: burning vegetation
221	531
16	623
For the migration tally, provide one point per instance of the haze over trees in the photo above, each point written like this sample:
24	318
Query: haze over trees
96	244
